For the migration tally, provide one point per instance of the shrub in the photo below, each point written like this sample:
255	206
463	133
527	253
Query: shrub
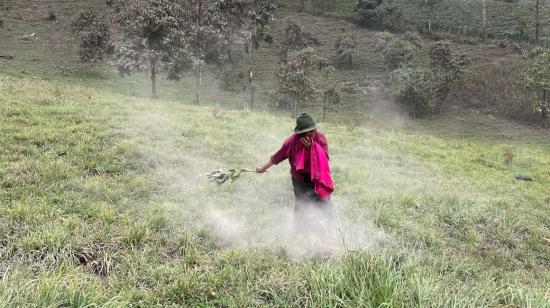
94	33
414	88
399	53
537	79
392	18
346	46
367	13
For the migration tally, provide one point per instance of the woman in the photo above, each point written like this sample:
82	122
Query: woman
307	154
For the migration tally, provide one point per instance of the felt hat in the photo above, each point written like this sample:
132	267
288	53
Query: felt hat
304	123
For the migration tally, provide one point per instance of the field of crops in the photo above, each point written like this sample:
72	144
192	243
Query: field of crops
504	20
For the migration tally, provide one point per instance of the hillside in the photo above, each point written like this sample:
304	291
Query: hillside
52	53
104	199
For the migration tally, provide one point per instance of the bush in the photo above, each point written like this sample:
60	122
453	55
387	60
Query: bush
346	46
415	88
94	33
399	53
367	14
392	18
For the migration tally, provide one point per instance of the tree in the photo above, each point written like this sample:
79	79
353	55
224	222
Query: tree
346	46
204	36
414	88
294	38
448	68
94	33
484	21
367	13
332	95
537	78
537	22
299	76
321	5
258	15
249	19
425	90
429	6
399	53
391	17
147	27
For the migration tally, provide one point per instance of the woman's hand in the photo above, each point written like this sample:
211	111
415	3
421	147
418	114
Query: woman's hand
264	168
307	142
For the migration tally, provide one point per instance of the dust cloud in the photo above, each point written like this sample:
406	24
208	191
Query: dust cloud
256	211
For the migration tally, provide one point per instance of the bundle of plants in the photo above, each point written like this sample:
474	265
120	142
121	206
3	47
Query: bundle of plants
221	176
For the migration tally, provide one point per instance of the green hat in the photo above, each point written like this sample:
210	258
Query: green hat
304	123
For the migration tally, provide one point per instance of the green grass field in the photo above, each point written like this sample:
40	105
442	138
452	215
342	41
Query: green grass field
104	201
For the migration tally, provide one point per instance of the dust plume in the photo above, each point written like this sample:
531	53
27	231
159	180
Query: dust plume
256	210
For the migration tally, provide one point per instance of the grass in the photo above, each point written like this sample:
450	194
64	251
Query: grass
104	201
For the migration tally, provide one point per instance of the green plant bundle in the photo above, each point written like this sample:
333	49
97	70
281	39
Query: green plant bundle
223	175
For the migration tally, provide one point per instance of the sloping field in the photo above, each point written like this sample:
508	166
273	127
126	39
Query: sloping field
103	200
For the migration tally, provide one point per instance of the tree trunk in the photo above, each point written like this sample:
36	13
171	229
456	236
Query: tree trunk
229	54
251	77
544	111
294	106
324	109
198	77
153	64
302	5
537	22
429	8
484	22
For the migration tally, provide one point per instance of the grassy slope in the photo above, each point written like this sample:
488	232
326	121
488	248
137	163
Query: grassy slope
102	194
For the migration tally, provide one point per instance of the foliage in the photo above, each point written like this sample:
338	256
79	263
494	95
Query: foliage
94	33
515	21
399	53
447	64
346	46
392	18
149	36
415	88
381	40
299	76
537	78
221	176
367	13
294	38
425	91
537	75
248	20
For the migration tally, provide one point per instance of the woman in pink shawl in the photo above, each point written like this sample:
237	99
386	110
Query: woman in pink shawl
307	154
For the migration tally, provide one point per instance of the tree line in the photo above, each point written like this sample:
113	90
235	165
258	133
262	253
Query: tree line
173	36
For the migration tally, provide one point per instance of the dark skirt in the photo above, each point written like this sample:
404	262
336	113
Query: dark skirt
310	210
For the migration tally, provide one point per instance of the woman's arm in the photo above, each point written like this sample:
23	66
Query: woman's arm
278	157
264	168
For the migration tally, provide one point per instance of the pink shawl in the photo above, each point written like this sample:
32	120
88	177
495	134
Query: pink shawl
319	169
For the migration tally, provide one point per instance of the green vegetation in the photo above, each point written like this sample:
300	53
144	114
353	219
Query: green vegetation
515	21
104	198
99	192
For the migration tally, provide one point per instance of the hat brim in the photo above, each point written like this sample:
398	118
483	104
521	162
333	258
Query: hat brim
304	130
